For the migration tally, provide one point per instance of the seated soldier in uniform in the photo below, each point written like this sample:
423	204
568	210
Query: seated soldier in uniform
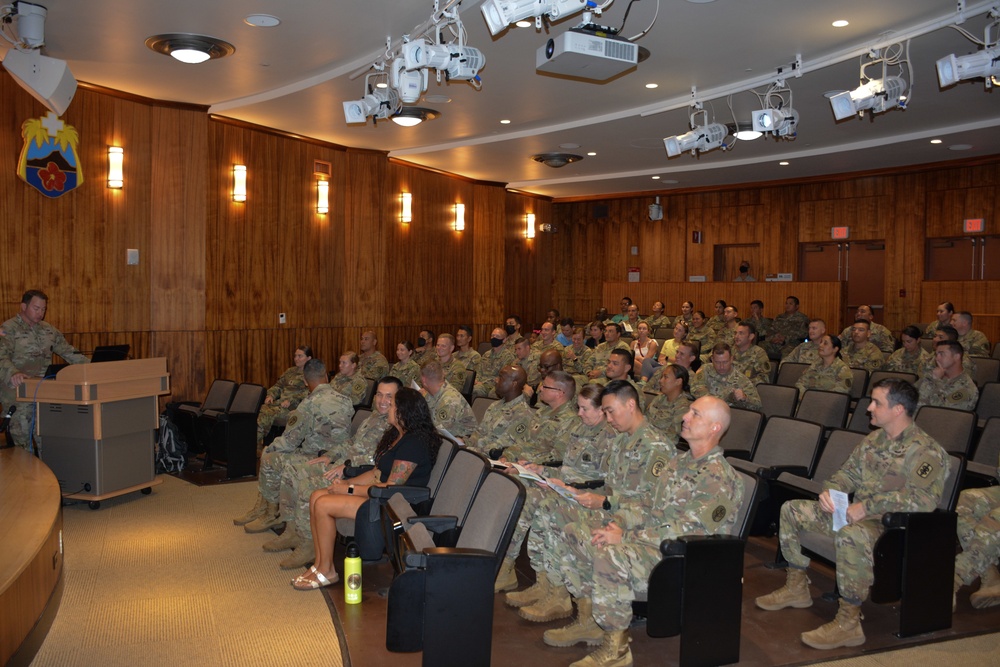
828	372
944	312
878	334
372	364
463	348
861	352
348	381
808	352
975	342
490	364
948	385
912	357
505	420
722	380
449	410
454	369
748	358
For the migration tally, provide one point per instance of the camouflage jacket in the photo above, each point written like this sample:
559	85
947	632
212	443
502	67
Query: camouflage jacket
27	349
586	452
905	474
959	392
804	353
490	364
455	372
321	422
599	359
451	411
635	463
902	361
291	387
408	372
835	377
353	387
576	362
502	425
868	356
975	343
545	439
754	364
364	442
794	328
469	357
708	381
666	415
374	367
881	336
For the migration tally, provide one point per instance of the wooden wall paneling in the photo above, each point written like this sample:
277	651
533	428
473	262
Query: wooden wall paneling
981	298
528	291
486	218
227	233
269	229
905	218
186	355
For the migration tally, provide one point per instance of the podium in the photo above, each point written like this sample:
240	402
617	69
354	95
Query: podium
97	424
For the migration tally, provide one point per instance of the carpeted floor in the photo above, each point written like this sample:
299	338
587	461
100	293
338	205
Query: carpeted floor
167	579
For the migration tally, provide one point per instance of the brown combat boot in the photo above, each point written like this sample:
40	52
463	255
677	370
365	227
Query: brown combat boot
258	509
795	593
614	652
303	555
988	594
529	595
287	540
844	630
269	518
583	629
556	604
506	578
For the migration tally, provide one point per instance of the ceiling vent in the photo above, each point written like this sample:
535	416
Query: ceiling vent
556	160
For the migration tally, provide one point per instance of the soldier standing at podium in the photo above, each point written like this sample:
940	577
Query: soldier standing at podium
26	346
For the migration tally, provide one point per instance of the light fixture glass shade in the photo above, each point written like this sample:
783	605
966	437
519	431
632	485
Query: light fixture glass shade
529	226
190	56
239	182
459	217
322	196
407	121
116	157
406	210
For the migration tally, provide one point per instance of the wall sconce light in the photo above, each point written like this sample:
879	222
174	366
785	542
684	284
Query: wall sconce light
239	182
459	217
322	196
116	156
529	226
406	213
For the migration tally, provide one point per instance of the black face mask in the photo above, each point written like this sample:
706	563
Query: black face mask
421	342
496	342
510	329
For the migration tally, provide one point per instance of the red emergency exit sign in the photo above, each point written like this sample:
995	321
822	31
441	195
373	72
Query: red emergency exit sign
840	233
974	225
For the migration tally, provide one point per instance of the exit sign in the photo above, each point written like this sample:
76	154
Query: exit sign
974	225
840	233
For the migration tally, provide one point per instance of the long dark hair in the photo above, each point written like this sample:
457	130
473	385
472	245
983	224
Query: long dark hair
414	416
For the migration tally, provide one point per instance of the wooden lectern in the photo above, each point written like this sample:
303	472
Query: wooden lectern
97	425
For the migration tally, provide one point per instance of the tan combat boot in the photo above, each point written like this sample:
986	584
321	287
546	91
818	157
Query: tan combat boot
844	630
506	578
287	540
795	593
556	604
988	594
614	652
303	555
258	509
529	595
269	518
583	629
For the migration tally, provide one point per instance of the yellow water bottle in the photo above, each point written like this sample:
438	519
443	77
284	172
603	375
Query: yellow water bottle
352	575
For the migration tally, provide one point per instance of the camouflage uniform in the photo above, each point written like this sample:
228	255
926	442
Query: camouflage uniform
322	422
835	377
975	343
664	321
978	531
753	363
932	328
902	361
692	497
960	392
708	381
880	336
666	415
716	323
408	372
530	366
470	358
868	356
451	411
299	479
905	474
489	368
545	439
353	387
503	424
726	335
27	349
794	328
580	361
705	335
968	365
762	325
374	367
633	465
291	387
454	372
540	346
420	356
804	353
599	359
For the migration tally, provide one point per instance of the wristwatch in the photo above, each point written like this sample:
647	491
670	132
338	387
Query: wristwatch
607	504
350	490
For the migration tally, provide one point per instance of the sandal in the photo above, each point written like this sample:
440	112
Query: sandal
304	583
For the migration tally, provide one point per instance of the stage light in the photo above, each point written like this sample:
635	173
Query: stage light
951	69
701	139
878	95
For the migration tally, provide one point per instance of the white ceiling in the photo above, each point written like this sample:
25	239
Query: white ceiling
303	66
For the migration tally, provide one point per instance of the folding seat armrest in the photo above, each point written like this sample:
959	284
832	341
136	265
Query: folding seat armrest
671	547
415	559
353	471
798	484
553	464
775	471
903	519
436	524
412	494
213	414
981	471
742	454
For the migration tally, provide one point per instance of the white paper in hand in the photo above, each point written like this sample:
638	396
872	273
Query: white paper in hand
839	499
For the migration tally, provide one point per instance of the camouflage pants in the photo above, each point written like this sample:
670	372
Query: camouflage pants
611	576
298	480
272	465
547	546
20	425
978	531
534	496
266	416
854	543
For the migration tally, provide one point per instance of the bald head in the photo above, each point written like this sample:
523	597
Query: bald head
706	421
510	382
548	361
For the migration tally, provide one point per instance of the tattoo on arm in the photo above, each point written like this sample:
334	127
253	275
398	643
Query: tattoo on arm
401	471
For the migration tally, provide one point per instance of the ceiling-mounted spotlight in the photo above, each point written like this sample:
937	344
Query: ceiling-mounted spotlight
188	48
379	103
410	116
743	131
986	63
556	160
501	13
656	211
460	63
878	95
778	122
30	24
701	139
47	79
409	84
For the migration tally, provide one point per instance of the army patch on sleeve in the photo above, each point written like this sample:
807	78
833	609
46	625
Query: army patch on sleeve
292	420
520	428
442	414
925	473
957	397
358	386
656	469
716	512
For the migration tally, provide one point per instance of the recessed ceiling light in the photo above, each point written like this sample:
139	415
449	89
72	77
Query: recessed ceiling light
381	84
840	23
700	2
652	85
505	122
656	178
935	141
591	154
671	181
524	24
568	145
262	20
189	48
783	163
437	99
959	147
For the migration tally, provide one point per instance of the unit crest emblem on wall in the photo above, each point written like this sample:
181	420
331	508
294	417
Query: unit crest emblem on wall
49	161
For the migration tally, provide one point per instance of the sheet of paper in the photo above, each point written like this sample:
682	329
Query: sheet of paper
839	499
565	493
